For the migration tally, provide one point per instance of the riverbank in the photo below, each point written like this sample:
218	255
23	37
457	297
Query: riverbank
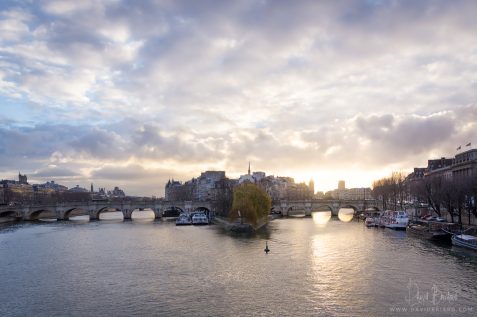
238	227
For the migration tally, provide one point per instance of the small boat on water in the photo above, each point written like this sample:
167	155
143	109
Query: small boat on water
183	220
200	219
465	240
370	222
432	230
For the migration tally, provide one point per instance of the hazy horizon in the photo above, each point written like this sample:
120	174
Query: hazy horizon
131	94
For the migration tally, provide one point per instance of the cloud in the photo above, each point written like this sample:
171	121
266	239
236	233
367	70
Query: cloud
185	86
54	172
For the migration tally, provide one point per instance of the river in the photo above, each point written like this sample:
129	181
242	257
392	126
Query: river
149	268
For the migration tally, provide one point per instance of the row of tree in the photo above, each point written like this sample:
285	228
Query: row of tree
391	190
456	195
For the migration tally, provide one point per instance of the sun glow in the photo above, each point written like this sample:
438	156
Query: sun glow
345	214
321	218
326	180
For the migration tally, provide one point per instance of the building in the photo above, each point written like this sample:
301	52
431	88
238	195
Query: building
279	188
215	186
78	189
177	191
311	186
22	179
341	185
462	165
465	164
117	192
52	186
439	167
361	193
208	186
17	191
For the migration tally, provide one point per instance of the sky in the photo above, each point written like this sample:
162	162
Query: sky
133	93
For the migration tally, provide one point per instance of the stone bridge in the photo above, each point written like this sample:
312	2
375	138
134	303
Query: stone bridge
306	207
63	211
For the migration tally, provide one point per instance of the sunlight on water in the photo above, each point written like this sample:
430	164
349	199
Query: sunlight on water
143	215
345	214
321	218
112	215
82	218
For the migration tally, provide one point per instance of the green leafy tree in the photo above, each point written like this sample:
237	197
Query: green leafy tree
251	201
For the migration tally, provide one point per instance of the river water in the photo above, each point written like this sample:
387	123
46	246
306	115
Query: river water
153	268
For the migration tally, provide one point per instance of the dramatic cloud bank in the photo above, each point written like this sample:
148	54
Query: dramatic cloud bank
131	93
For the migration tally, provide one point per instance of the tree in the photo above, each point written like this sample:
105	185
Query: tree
391	190
436	193
252	202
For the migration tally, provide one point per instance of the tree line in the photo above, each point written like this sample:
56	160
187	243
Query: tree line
457	195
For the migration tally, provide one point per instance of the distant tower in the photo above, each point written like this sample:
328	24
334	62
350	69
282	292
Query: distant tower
22	179
92	191
341	184
248	167
311	185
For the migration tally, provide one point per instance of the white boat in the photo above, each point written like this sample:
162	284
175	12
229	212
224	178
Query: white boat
397	220
465	240
183	220
370	222
200	219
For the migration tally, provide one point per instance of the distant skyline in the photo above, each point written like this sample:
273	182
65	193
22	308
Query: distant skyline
132	93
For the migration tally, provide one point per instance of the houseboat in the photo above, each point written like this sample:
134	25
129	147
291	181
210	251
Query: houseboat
397	220
432	230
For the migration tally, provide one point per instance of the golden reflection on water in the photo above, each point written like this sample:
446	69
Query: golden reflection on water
321	218
345	214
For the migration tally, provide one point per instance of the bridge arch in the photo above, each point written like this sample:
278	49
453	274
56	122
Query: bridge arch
325	207
73	212
36	214
372	208
95	214
349	206
296	210
276	210
171	211
141	211
8	213
205	210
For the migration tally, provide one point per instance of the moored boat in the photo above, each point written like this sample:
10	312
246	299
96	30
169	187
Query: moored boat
370	222
465	240
183	220
431	230
397	220
200	219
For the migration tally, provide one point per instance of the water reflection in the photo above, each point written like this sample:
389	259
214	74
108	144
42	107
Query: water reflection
143	215
346	214
342	269
321	218
111	215
81	218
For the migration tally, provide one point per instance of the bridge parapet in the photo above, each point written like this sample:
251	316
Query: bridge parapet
62	210
290	207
